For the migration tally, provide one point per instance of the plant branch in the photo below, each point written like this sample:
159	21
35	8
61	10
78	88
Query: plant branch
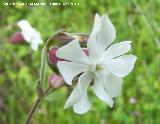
32	110
35	106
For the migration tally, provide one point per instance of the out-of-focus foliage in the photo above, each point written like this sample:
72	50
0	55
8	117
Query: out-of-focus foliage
19	65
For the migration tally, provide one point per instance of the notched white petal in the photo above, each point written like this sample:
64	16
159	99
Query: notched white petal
69	70
73	98
106	34
84	81
96	27
73	52
30	34
103	34
117	49
122	65
24	25
113	84
101	92
92	40
78	97
83	105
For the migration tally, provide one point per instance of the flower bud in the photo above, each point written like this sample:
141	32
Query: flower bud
59	39
65	37
17	38
56	81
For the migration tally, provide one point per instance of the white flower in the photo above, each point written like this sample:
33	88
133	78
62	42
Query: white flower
106	65
30	34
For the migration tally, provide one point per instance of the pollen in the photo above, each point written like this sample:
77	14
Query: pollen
95	67
99	67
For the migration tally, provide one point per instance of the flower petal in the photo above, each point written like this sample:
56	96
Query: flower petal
84	81
73	98
83	105
113	84
117	49
73	52
78	97
69	70
102	36
92	40
30	34
122	65
101	92
107	33
34	46
24	25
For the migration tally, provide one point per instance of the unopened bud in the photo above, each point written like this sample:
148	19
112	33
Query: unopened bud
17	38
65	37
56	81
59	39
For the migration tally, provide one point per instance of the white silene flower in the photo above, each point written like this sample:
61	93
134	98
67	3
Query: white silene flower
30	34
105	66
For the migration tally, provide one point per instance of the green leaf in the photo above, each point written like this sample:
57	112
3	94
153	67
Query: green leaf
43	66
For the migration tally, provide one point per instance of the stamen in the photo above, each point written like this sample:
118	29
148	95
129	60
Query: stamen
99	67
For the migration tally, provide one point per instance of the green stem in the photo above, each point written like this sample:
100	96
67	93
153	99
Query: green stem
32	110
35	106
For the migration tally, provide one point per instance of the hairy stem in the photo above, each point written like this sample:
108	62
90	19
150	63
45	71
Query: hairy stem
35	106
32	110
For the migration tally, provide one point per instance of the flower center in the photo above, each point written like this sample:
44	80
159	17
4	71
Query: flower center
96	67
99	67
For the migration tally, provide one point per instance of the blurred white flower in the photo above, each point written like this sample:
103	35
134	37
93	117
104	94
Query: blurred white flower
105	65
31	35
132	100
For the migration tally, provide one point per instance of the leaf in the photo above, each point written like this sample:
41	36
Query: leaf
43	66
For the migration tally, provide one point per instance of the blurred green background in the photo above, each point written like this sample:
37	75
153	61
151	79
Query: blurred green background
139	102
